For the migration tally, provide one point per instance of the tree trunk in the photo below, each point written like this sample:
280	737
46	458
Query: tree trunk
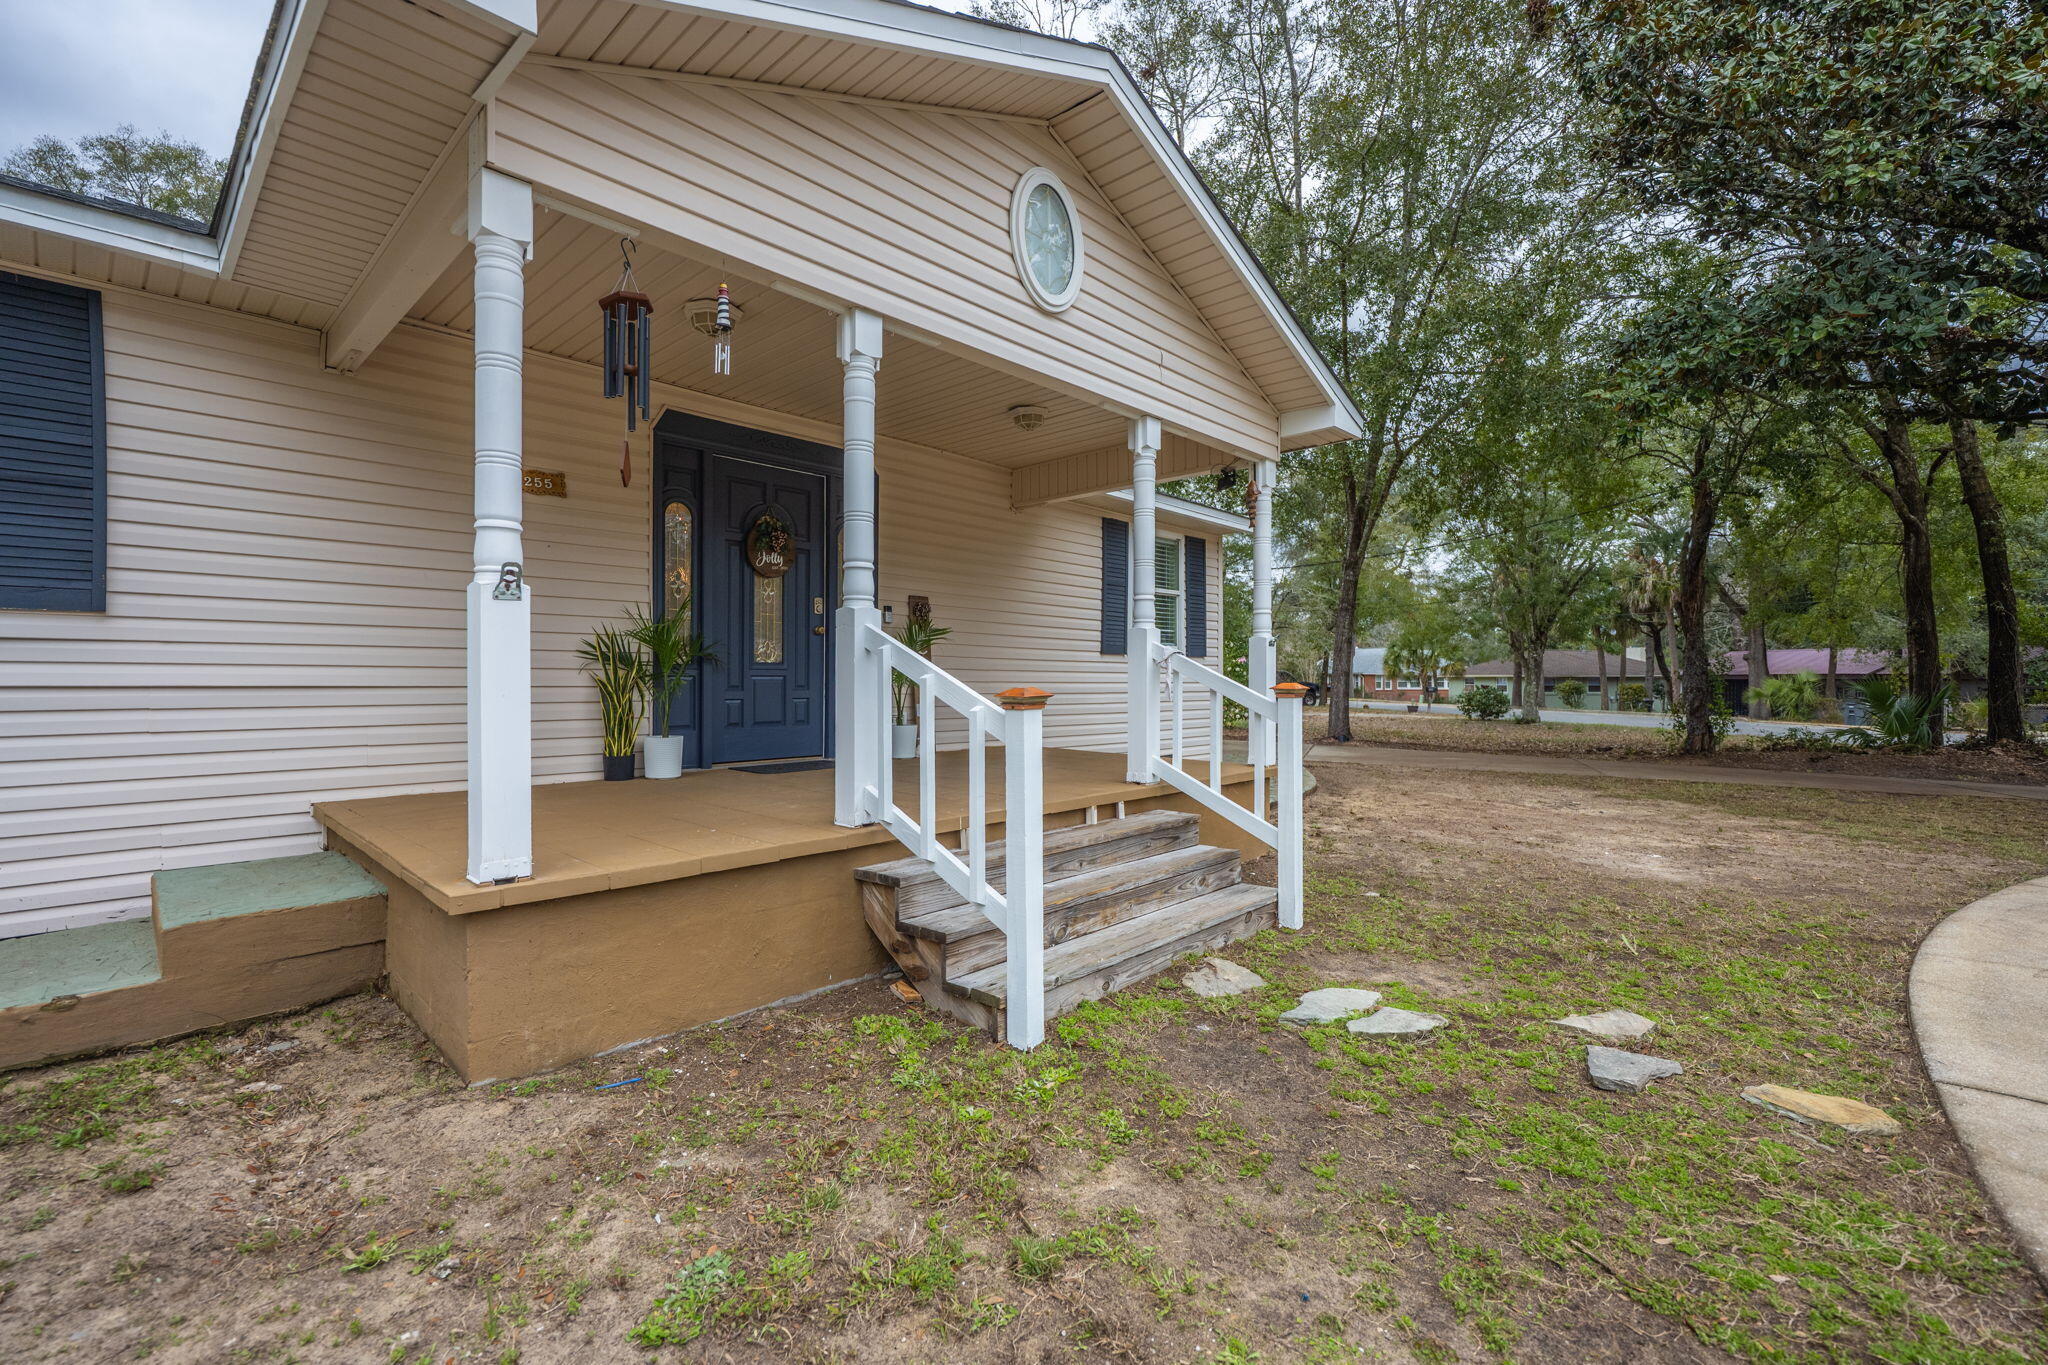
1691	615
1759	651
1532	684
1663	668
1834	672
1916	559
1600	657
1344	626
2004	720
1515	687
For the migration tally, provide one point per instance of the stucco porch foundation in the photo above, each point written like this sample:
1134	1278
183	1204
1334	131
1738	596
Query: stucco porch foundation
659	905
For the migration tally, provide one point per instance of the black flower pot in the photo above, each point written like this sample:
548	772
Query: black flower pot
618	769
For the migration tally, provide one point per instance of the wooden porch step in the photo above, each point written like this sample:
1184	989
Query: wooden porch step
1157	879
1123	899
1092	965
1069	849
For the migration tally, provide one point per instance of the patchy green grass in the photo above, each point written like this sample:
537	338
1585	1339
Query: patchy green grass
1168	1178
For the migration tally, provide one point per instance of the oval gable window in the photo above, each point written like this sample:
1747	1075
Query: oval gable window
1045	232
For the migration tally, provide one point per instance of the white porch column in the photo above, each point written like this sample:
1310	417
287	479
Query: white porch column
1143	700
500	733
861	746
1262	667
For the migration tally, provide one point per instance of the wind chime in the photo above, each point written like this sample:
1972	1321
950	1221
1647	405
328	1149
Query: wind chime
628	353
721	333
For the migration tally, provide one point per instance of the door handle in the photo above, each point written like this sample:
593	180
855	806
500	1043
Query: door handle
817	630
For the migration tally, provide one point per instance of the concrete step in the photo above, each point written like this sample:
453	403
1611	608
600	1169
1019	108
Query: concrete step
82	961
223	945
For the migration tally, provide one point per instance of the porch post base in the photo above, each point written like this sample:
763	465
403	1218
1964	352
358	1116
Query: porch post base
501	731
860	739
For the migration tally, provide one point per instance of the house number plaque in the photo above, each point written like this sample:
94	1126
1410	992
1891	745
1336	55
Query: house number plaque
546	483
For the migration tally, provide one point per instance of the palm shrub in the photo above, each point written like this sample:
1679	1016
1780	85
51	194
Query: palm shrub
1791	696
1899	719
668	650
615	663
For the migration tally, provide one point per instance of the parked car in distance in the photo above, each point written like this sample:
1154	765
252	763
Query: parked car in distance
1315	691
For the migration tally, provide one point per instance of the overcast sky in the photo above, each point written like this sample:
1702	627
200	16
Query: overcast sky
71	67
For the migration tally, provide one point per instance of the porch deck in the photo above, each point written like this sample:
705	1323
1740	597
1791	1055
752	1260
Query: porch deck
607	836
659	905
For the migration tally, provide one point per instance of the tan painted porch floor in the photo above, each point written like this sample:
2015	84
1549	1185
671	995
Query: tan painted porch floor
598	836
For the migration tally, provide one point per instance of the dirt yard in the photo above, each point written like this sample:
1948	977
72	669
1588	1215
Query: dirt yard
1446	729
1168	1180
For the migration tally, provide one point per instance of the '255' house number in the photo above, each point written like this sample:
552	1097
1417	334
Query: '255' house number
546	483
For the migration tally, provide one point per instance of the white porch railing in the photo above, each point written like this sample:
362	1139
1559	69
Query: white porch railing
1280	717
1014	720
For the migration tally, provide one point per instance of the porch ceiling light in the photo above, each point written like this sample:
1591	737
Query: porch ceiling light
1028	416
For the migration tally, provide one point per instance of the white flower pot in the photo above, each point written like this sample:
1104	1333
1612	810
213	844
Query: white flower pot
663	755
903	741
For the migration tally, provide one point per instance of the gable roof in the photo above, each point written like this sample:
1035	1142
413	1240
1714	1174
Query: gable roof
357	104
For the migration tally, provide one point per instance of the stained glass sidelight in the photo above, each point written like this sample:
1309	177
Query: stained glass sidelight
677	528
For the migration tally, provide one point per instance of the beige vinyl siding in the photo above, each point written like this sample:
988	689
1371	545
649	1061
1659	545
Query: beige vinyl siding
287	553
900	211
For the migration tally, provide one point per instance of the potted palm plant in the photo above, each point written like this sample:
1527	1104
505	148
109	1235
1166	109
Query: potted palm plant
614	662
669	650
918	636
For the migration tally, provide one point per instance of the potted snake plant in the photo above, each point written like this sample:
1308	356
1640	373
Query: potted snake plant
615	664
918	636
669	650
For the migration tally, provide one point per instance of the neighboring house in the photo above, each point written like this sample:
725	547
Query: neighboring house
271	584
1369	678
1559	664
1852	668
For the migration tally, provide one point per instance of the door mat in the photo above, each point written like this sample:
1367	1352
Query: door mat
802	765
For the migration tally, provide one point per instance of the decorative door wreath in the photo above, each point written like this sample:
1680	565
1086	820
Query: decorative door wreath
771	549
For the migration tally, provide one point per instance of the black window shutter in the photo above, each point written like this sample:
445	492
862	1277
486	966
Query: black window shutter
1198	596
1116	586
53	454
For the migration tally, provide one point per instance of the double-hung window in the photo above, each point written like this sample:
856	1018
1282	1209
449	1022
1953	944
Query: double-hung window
1169	591
1180	590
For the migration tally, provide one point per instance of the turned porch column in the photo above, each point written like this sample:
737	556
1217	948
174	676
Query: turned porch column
1262	668
1143	699
862	740
500	677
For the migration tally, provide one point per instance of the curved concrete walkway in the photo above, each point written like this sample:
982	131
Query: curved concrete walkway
1387	755
1979	994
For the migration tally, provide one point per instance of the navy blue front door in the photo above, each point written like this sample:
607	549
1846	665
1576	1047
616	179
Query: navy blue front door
768	694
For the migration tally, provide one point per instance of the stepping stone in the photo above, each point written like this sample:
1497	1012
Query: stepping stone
1330	1004
1851	1116
1608	1024
1392	1020
1215	977
1627	1072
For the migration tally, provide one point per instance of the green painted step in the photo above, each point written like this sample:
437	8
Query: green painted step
192	895
94	957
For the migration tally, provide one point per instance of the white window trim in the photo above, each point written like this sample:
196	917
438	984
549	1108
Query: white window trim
1019	200
1180	597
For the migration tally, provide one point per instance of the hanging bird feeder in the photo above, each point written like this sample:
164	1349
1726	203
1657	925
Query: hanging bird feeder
628	352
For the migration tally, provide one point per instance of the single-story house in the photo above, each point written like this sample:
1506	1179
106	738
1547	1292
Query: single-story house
1369	678
1852	668
1559	664
794	322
